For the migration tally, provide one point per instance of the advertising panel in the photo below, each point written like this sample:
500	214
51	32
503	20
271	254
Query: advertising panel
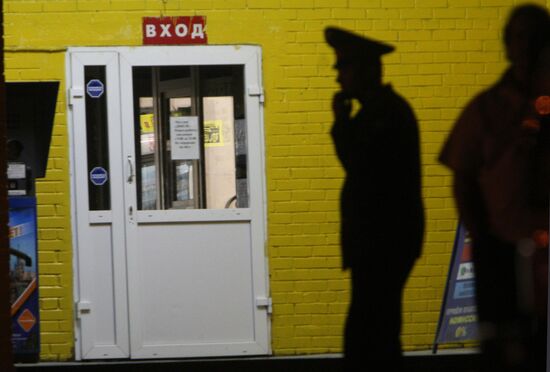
24	278
458	318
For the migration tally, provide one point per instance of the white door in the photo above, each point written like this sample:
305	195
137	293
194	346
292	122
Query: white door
174	222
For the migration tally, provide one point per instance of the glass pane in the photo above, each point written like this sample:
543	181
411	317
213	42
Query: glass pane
190	125
225	144
99	195
146	139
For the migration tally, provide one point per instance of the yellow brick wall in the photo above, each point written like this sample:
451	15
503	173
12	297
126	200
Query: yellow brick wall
447	50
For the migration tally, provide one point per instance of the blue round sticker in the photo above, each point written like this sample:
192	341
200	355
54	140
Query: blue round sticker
95	88
98	176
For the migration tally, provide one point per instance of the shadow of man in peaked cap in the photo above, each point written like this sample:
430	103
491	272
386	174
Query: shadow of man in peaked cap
382	218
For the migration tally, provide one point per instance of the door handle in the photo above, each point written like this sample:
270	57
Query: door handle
131	167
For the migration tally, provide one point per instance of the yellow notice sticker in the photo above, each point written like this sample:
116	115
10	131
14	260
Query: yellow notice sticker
146	123
213	133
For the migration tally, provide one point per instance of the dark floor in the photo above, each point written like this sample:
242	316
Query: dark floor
463	362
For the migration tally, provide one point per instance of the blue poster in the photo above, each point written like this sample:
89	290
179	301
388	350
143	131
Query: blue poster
24	278
458	318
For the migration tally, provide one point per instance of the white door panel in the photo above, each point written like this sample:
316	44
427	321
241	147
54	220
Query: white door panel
104	286
203	292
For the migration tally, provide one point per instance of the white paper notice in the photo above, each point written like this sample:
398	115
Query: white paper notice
184	137
16	171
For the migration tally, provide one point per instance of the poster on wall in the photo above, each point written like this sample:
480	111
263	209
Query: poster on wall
24	279
458	317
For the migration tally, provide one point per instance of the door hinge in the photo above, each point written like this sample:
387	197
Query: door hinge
83	308
75	93
256	91
265	302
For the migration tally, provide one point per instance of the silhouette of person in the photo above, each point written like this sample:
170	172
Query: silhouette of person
488	152
382	217
14	149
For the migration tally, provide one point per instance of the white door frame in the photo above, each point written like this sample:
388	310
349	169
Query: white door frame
250	57
116	345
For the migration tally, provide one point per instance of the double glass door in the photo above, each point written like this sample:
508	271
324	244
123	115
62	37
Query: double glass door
168	184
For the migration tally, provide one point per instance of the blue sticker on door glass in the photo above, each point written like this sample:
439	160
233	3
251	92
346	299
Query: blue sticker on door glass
95	88
98	176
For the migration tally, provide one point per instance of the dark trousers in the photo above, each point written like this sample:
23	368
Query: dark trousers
373	326
513	339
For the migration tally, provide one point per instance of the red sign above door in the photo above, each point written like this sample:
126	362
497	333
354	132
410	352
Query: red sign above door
174	30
